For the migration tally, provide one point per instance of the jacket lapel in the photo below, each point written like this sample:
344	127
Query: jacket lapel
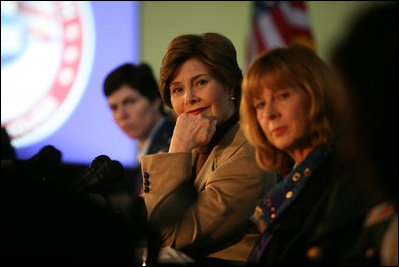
226	147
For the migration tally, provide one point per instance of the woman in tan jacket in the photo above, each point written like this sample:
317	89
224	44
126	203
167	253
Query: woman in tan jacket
201	80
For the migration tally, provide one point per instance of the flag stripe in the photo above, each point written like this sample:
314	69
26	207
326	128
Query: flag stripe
281	23
258	38
269	32
301	31
278	24
298	4
295	16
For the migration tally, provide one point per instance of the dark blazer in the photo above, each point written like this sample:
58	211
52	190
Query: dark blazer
161	140
323	224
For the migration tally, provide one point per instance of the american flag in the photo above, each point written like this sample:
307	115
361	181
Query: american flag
278	24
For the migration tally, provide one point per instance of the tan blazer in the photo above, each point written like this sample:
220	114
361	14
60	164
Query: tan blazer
228	185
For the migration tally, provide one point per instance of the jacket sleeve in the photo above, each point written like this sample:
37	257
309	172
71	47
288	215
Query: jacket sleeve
223	205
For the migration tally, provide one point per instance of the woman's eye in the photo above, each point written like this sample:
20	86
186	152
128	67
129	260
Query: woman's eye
283	95
131	100
259	105
201	82
114	107
176	90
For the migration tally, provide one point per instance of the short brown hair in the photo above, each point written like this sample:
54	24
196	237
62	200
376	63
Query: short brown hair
214	50
139	78
295	66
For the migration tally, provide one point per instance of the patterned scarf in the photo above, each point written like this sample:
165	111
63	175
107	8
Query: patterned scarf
282	195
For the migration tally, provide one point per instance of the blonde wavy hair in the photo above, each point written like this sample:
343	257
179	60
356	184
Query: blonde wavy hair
279	68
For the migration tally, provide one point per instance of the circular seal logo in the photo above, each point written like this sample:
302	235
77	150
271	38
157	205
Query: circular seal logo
47	51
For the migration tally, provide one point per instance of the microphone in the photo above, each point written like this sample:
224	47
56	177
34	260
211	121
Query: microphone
98	160
108	172
82	178
101	170
43	164
48	155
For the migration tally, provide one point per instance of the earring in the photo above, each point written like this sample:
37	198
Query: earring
232	98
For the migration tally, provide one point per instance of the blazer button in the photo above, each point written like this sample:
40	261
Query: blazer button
146	175
369	253
314	253
289	194
146	183
296	176
146	190
307	172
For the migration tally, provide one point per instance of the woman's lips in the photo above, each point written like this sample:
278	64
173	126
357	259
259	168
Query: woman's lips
279	130
196	111
128	127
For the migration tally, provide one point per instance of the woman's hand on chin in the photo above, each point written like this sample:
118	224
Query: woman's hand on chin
192	131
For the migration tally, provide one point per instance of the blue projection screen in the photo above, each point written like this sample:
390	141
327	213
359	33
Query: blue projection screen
55	56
